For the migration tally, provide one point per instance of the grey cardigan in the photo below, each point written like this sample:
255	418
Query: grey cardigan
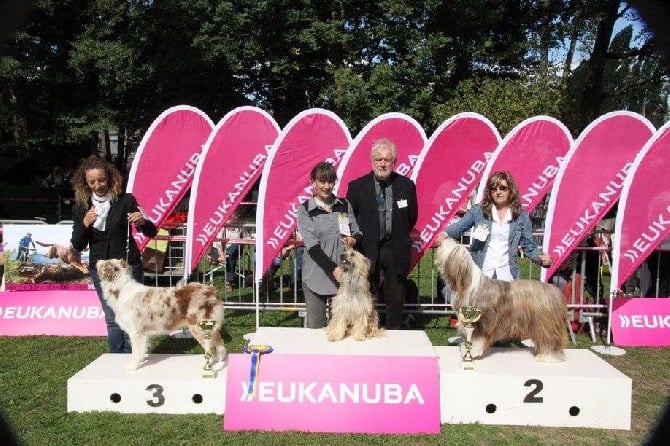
320	232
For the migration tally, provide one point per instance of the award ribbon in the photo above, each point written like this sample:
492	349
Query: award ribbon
256	352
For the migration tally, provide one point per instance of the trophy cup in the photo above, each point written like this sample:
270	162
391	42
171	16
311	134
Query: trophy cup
469	315
207	325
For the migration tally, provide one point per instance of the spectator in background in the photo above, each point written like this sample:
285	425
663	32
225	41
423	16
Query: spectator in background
659	271
228	251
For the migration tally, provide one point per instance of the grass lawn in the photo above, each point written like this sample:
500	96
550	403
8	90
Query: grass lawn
35	370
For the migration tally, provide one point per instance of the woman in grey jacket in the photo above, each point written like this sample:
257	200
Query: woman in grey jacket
327	226
499	227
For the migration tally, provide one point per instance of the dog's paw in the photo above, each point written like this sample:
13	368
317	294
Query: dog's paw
549	357
477	349
221	353
334	336
132	366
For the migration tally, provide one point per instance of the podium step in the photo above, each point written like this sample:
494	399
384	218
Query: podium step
171	384
509	387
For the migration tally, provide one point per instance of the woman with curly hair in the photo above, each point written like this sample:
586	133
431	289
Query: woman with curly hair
103	214
499	227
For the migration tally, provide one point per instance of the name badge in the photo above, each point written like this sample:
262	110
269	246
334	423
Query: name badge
402	204
343	221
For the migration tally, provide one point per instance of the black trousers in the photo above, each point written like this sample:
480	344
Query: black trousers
391	285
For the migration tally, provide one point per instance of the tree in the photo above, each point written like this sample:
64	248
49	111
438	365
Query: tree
79	70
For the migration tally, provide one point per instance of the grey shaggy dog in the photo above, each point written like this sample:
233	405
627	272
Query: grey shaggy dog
353	307
519	309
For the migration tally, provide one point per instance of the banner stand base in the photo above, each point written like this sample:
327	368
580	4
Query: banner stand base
608	350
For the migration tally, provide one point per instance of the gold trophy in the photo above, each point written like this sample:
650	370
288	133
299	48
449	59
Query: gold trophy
469	315
207	325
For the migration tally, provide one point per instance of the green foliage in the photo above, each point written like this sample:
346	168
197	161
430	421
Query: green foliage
77	69
35	371
503	101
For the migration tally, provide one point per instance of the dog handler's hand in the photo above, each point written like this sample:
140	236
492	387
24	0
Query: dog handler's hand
136	218
545	259
337	273
440	238
90	217
349	242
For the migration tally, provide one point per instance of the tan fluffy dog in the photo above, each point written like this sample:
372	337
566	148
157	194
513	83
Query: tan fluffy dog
353	307
143	311
510	310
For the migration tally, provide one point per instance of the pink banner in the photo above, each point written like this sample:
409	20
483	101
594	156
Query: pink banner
532	152
322	393
590	180
165	162
407	135
52	313
231	162
640	322
643	218
312	136
447	171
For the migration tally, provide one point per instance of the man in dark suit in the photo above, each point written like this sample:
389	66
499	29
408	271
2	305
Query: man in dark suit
385	207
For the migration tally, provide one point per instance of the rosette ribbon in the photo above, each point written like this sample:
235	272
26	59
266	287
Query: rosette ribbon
256	351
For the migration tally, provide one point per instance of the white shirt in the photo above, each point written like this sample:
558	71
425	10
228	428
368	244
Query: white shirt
496	259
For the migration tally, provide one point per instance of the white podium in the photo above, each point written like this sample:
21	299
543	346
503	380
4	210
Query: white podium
164	384
509	387
313	341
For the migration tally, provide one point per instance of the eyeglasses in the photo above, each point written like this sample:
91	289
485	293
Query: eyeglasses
501	188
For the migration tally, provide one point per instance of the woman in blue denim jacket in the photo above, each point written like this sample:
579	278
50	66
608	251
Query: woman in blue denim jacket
499	227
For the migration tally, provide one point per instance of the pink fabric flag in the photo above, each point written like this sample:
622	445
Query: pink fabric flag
641	322
447	171
165	162
590	180
532	152
231	162
643	217
407	135
312	136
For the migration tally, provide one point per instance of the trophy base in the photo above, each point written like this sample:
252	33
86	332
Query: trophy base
468	365
509	387
170	384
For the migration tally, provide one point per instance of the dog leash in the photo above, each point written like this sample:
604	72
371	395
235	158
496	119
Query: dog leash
127	241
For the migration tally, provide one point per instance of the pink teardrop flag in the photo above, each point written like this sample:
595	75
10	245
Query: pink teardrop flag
231	163
447	171
165	162
590	180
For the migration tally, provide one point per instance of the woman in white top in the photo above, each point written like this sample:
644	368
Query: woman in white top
499	226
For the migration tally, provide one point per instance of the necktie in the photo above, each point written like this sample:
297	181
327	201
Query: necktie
384	212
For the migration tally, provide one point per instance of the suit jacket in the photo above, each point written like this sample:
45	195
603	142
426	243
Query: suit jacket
110	243
363	198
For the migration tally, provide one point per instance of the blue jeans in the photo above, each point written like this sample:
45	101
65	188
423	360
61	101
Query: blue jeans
118	340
